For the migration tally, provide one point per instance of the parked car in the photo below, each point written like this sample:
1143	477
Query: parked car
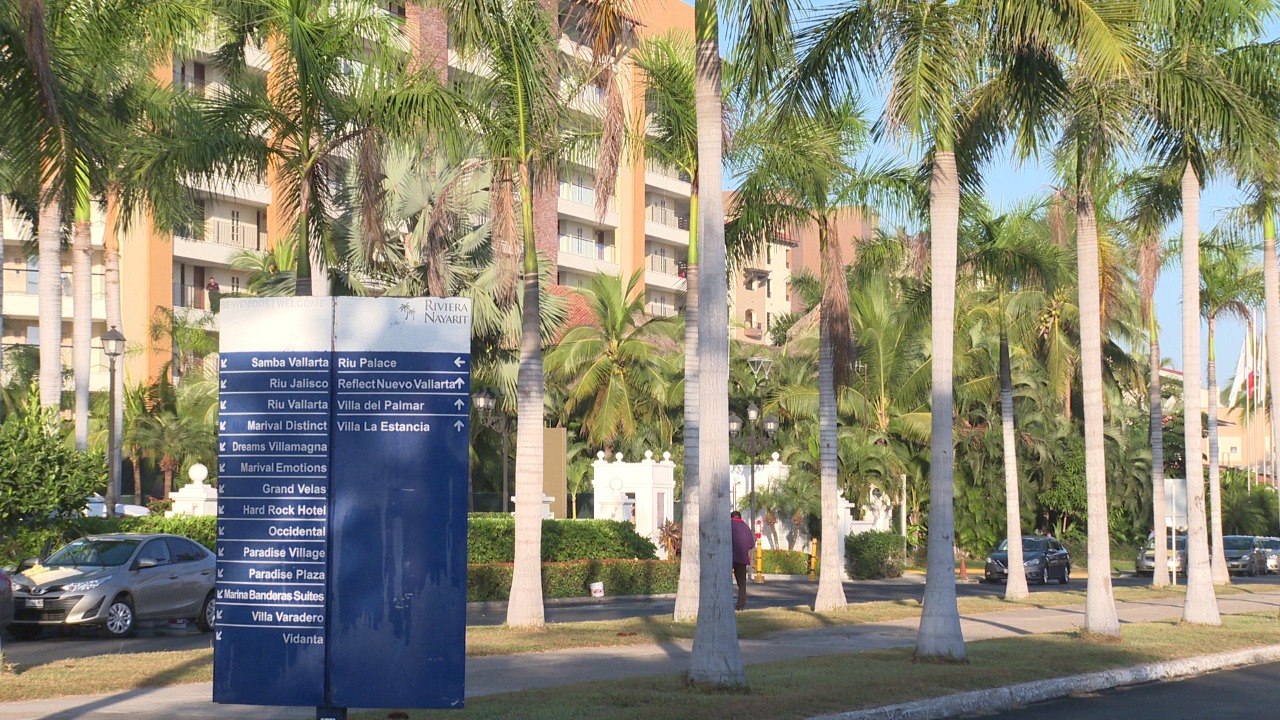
1145	564
1244	554
6	600
1043	559
113	581
1271	546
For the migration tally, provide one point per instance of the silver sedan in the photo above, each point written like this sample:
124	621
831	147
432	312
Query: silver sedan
113	581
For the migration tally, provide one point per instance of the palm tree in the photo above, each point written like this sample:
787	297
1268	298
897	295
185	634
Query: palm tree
670	137
1229	284
1009	258
81	302
1153	197
796	174
612	365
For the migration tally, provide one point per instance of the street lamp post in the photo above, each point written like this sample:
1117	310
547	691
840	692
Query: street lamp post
113	346
498	420
752	444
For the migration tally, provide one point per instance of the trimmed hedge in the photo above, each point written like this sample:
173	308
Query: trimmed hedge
491	538
30	543
492	581
785	562
874	554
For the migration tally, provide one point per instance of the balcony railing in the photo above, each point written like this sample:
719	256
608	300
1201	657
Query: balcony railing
666	216
190	296
23	281
225	232
754	331
583	195
582	247
664	265
192	85
658	168
656	309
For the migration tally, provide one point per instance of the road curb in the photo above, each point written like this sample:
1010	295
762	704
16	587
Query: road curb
1012	696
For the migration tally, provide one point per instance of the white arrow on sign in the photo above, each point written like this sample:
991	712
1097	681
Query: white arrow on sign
222	404
459	403
217	615
222	384
224	362
222	425
217	635
219	573
222	467
459	362
221	551
222	509
222	447
459	425
222	531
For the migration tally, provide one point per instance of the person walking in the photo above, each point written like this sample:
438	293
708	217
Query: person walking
743	542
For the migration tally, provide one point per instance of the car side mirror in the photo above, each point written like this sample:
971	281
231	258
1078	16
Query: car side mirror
145	563
8	570
27	564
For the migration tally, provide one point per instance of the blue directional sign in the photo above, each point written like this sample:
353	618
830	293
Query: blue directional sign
342	470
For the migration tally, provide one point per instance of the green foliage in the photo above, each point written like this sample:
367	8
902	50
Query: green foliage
492	581
1066	497
785	562
875	554
491	538
30	542
42	477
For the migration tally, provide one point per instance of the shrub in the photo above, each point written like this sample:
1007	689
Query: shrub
491	539
492	581
785	562
30	543
875	554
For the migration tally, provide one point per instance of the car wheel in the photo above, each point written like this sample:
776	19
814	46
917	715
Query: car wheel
24	631
1066	575
1044	575
207	614
119	618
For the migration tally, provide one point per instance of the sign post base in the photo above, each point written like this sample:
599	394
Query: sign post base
331	713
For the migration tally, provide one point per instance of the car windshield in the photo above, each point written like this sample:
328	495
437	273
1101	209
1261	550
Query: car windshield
1237	543
1182	542
1271	544
1029	544
92	552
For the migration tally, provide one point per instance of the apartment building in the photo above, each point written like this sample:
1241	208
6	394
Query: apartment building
645	227
761	292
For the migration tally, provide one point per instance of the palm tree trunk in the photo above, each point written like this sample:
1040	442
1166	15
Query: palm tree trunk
939	633
687	591
50	301
1016	585
1201	605
1100	605
525	608
716	658
136	460
1160	575
1217	553
111	295
82	308
830	580
1271	302
2	214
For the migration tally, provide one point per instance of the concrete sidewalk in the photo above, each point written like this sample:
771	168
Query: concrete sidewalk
509	673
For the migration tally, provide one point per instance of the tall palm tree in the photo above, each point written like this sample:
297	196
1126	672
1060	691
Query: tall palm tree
716	658
1229	285
1154	199
1008	258
81	301
670	137
796	174
612	366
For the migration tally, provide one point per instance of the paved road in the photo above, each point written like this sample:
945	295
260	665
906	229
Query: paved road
774	593
1251	693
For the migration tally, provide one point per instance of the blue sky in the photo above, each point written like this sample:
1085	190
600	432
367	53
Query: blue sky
1008	183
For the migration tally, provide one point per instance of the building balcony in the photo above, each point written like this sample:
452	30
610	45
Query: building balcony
660	310
22	294
579	202
666	178
664	272
753	331
251	191
664	224
584	255
221	241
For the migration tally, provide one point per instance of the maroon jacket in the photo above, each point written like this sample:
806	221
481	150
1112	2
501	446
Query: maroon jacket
743	541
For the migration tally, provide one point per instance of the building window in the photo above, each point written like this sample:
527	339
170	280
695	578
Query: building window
33	276
788	259
788	292
235	284
768	252
750	318
33	334
768	287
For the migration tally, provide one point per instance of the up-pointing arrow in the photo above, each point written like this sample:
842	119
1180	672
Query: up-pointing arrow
459	425
459	362
459	403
